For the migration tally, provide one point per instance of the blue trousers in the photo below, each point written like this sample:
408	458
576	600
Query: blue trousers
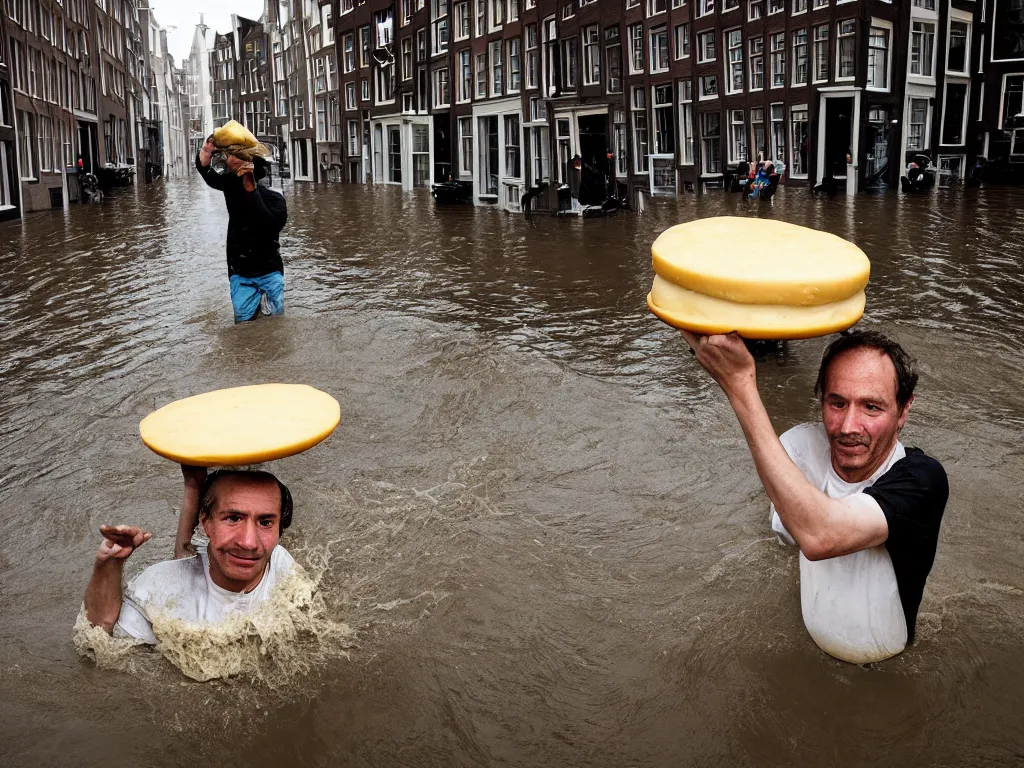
249	293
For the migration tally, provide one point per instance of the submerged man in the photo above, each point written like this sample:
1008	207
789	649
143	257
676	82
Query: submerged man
864	510
243	513
256	216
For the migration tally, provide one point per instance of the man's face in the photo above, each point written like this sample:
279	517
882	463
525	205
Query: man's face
243	527
859	410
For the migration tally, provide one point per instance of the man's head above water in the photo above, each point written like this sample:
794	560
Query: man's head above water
243	513
866	384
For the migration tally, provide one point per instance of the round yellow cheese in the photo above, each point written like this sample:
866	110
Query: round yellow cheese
760	261
242	425
696	312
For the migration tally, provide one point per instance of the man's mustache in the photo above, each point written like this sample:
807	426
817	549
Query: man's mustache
852	440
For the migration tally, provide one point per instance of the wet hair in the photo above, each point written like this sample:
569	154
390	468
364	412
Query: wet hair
906	373
206	495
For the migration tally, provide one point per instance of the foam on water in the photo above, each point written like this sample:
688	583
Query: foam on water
284	637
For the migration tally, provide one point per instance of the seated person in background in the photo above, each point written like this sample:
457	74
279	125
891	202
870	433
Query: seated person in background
863	509
243	513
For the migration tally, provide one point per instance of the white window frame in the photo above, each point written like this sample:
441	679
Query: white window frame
731	52
839	38
885	26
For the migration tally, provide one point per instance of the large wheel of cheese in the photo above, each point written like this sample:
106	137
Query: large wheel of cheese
242	425
704	314
763	279
760	261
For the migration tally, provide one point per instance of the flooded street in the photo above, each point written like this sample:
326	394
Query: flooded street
538	514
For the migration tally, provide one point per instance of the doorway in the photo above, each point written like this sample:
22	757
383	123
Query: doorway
879	135
838	135
596	172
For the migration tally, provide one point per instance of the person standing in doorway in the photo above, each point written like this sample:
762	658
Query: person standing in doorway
256	216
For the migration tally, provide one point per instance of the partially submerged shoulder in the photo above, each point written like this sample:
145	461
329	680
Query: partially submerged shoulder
166	579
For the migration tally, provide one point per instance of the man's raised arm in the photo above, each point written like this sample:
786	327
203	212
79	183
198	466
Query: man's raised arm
822	527
103	595
203	159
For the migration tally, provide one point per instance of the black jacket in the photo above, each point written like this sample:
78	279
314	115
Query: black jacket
255	219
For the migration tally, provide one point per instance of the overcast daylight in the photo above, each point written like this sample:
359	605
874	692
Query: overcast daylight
180	17
498	383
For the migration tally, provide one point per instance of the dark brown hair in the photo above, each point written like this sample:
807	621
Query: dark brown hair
206	497
906	373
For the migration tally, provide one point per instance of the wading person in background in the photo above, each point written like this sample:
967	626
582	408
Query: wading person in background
243	513
233	162
863	509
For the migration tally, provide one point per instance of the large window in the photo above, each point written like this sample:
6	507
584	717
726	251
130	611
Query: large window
801	62
463	21
571	64
640	141
659	49
442	94
466	146
711	142
846	49
1013	100
481	76
532	57
878	58
759	142
954	114
439	19
917	126
778	131
664	126
513	166
734	46
621	143
636	48
420	155
681	35
756	63
686	122
706	46
497	68
613	55
349	54
821	58
779	60
956	55
465	87
922	47
591	55
26	145
798	138
737	136
514	65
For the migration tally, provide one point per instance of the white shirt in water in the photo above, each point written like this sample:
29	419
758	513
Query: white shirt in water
851	604
183	589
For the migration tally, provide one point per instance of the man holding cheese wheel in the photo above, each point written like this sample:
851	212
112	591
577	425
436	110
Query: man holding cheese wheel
232	161
243	514
863	509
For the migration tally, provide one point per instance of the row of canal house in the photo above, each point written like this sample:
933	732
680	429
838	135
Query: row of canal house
76	79
662	96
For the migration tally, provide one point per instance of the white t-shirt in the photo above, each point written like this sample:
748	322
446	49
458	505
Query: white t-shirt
183	589
851	604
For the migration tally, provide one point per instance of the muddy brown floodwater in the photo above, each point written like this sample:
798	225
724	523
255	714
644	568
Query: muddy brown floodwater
538	517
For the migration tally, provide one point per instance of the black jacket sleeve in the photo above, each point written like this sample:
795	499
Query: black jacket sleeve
211	177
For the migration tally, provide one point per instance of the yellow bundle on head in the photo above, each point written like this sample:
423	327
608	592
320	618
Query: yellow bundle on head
235	138
763	279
